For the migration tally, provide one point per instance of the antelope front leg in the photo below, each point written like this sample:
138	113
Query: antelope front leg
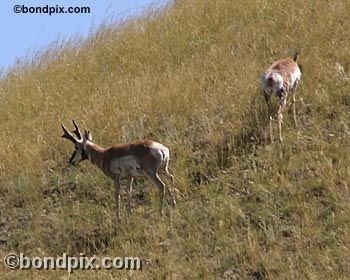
117	196
129	182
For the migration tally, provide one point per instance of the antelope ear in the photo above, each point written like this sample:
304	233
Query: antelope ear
87	135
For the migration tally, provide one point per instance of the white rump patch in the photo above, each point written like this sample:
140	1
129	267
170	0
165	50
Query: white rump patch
271	82
160	152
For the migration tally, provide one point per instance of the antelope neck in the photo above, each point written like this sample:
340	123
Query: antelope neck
95	154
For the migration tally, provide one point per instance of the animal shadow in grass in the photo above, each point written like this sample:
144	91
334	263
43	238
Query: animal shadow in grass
254	130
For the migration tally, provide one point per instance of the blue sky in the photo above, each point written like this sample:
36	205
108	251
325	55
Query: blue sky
24	33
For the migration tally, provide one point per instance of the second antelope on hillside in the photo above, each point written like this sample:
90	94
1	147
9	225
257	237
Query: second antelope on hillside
127	161
281	78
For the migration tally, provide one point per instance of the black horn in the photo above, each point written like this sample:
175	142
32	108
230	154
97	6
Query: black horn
77	130
68	135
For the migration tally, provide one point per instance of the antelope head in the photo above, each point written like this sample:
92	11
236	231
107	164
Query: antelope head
80	143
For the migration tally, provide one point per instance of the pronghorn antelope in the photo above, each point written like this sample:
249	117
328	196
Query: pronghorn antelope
281	78
137	159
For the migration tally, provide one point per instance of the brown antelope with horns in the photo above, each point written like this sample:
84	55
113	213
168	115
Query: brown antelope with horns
281	78
127	161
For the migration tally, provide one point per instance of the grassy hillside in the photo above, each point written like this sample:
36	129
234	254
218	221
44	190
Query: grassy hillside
187	76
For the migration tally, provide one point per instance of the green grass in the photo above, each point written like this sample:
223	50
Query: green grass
186	75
